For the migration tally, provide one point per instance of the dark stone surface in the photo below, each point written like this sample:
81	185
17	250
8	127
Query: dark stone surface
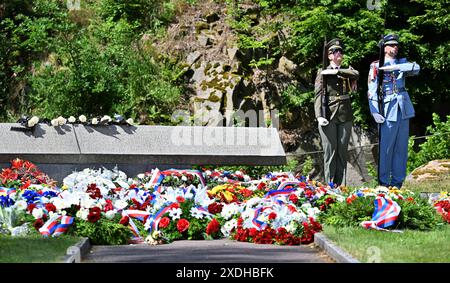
134	149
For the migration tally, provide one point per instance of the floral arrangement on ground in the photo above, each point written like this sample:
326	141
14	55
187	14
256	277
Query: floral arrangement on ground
162	206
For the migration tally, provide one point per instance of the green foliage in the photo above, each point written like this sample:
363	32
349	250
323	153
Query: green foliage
293	99
102	232
308	165
94	66
417	214
344	214
256	171
436	145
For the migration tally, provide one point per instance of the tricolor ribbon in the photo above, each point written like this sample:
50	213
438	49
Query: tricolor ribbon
7	191
156	180
154	221
260	225
385	214
137	214
55	227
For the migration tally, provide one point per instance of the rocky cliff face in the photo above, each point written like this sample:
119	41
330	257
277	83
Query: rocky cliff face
221	81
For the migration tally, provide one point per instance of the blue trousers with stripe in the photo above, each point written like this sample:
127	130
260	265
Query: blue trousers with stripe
394	151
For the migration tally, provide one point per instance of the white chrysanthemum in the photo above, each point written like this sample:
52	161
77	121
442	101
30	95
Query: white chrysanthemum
94	121
82	118
291	227
71	119
228	227
82	213
196	213
37	213
130	121
229	210
175	213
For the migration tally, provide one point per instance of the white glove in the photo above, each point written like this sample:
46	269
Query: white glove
322	121
390	68
378	118
329	72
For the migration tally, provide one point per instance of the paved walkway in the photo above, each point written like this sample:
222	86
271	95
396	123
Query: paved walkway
213	251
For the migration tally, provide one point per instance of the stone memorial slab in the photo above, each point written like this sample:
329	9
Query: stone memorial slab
135	149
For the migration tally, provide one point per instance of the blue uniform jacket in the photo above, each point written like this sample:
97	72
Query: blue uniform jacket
395	95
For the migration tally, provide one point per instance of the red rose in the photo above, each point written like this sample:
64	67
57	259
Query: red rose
293	198
38	223
93	191
261	186
108	206
215	207
272	215
94	214
246	192
30	207
180	199
174	205
182	225
164	222
252	232
309	193
50	207
125	220
213	227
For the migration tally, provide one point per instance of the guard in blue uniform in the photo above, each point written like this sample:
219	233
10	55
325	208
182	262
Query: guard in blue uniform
398	109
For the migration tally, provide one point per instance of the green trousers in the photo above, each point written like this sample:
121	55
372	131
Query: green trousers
335	137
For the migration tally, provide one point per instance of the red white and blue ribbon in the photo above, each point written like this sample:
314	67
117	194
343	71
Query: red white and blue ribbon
259	225
62	227
154	221
55	227
137	214
7	191
156	180
281	189
385	214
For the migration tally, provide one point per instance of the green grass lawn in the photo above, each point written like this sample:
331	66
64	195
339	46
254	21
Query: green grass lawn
378	246
34	248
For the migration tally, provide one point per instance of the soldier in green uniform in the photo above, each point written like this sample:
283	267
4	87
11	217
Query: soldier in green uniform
332	107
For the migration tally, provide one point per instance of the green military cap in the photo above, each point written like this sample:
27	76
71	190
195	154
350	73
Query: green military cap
334	44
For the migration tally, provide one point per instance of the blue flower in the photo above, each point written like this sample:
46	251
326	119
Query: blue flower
6	201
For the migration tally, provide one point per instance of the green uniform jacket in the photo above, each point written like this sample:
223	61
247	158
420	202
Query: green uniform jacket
338	90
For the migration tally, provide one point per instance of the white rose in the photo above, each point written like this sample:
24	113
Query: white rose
94	121
61	120
71	119
82	118
130	121
37	213
54	122
33	121
106	118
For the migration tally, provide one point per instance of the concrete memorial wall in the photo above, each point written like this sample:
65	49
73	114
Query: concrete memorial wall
58	151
